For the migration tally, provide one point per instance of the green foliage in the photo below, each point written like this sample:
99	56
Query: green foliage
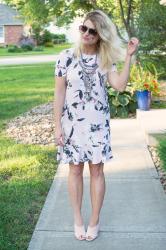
34	11
152	26
46	36
123	13
36	34
14	48
158	104
59	38
48	39
121	103
23	48
38	48
66	11
161	151
49	44
144	78
158	60
144	19
38	13
27	47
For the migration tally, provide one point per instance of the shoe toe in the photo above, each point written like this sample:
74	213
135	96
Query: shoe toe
79	232
92	232
80	237
90	238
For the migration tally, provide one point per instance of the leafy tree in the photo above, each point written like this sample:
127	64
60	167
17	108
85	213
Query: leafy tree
123	13
38	13
151	28
142	18
34	12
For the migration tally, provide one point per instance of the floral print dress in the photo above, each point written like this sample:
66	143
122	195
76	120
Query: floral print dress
85	124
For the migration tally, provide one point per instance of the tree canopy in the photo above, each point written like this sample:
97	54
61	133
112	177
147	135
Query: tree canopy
142	18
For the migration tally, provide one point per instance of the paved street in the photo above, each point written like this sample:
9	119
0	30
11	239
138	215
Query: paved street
27	59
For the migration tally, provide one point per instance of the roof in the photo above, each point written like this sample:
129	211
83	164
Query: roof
9	16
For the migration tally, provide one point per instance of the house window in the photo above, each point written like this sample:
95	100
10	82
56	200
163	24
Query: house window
1	34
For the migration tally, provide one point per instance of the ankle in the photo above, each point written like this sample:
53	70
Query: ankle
78	219
93	221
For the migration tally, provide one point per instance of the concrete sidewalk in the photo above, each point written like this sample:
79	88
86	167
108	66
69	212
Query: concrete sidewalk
133	215
152	123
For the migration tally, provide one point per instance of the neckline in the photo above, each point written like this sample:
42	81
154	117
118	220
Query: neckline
89	55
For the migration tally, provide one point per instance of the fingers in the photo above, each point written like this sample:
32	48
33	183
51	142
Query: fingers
59	141
134	40
62	141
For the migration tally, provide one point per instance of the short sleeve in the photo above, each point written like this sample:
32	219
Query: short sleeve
60	67
113	68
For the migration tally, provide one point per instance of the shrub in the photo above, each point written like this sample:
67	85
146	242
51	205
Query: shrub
159	61
59	38
49	44
121	103
145	78
26	42
38	48
27	47
14	48
46	37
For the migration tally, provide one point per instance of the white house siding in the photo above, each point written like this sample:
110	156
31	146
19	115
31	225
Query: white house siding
2	34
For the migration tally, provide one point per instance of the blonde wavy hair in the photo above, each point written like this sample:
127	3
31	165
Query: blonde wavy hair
110	47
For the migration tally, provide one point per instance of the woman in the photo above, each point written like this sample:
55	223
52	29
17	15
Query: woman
81	108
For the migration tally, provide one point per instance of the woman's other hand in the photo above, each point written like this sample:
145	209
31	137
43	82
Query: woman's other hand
59	138
132	46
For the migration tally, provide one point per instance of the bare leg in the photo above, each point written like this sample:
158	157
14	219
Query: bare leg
75	188
97	190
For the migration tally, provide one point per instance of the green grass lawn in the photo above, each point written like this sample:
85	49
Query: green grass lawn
26	171
46	51
162	150
158	105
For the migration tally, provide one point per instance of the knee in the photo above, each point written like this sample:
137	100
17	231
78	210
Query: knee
96	171
76	170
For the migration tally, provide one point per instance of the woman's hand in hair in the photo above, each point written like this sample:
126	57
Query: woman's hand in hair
132	46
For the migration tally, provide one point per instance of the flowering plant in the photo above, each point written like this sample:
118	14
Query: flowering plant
144	79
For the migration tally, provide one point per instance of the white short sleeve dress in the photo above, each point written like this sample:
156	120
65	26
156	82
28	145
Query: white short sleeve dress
85	124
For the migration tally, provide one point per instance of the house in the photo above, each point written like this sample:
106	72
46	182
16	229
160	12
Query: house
11	26
71	31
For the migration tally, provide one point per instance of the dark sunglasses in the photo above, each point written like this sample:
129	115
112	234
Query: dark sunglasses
84	28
